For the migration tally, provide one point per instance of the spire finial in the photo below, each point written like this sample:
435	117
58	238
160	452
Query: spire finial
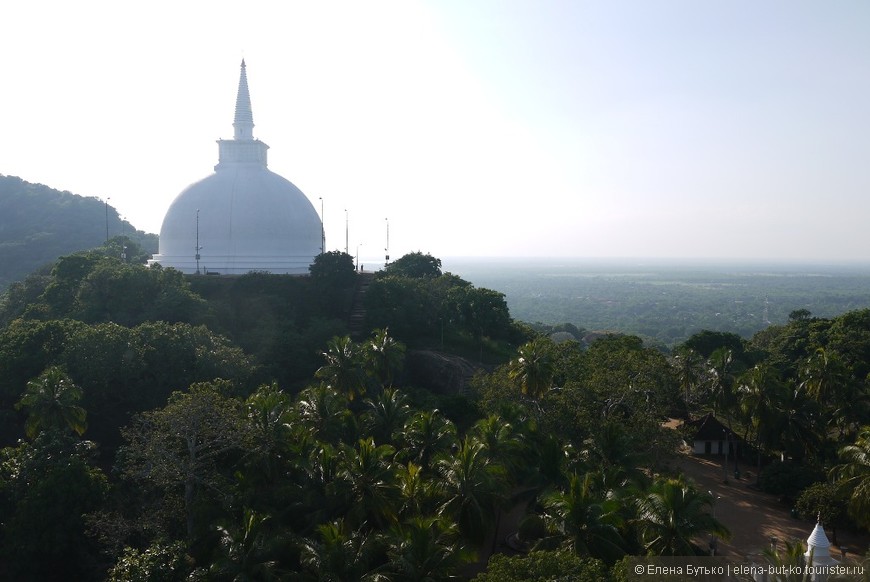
243	123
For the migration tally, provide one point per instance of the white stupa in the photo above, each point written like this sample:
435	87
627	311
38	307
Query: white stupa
243	217
818	553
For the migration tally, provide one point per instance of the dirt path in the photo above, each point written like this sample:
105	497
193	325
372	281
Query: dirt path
752	516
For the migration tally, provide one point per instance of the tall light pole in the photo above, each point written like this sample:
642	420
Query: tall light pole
322	229
357	256
198	248
387	248
346	230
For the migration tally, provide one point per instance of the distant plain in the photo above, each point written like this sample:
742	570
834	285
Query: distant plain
667	300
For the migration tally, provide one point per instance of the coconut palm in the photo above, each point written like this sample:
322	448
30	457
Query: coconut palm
426	434
344	370
757	390
51	402
472	485
384	356
425	549
853	475
385	415
322	413
689	366
674	513
248	551
583	521
367	475
533	368
339	554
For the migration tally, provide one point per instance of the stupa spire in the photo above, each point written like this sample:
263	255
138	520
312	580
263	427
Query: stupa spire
243	123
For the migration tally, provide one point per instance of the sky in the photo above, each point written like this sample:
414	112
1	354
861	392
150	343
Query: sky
511	128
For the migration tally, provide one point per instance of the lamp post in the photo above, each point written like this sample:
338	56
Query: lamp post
198	248
346	230
714	542
357	256
322	229
387	248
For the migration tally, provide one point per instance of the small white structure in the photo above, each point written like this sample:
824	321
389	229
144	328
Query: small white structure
243	217
819	551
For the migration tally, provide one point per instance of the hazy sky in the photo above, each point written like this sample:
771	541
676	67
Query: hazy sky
638	128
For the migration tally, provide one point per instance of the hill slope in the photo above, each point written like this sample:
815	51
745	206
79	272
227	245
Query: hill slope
38	224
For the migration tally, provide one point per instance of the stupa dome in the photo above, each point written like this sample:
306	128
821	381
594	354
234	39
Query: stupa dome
243	217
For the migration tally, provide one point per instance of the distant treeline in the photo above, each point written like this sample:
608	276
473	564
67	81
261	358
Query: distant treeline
668	303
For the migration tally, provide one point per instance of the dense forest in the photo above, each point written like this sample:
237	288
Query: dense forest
158	426
39	224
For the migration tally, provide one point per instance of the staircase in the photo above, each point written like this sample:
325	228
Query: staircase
356	322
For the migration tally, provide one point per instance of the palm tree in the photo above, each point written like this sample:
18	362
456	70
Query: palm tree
757	389
472	485
689	370
854	476
426	434
584	522
368	474
425	549
341	555
323	413
385	415
270	413
674	513
344	370
721	370
248	551
51	401
534	367
384	356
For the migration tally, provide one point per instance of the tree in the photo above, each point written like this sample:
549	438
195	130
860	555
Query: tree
472	485
183	447
757	391
344	369
533	367
340	554
853	476
416	266
46	487
543	566
51	402
427	434
367	474
384	356
824	502
425	549
583	522
385	415
672	515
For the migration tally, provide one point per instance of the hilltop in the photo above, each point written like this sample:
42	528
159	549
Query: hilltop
39	224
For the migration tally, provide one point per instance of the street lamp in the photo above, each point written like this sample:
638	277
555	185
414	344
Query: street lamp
357	256
322	228
387	248
725	464
346	230
198	248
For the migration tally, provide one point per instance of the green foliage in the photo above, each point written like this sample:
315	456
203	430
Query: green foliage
159	562
853	476
51	402
543	566
46	487
787	478
415	266
40	224
822	501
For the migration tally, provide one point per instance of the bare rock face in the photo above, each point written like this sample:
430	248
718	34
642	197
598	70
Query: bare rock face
440	373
